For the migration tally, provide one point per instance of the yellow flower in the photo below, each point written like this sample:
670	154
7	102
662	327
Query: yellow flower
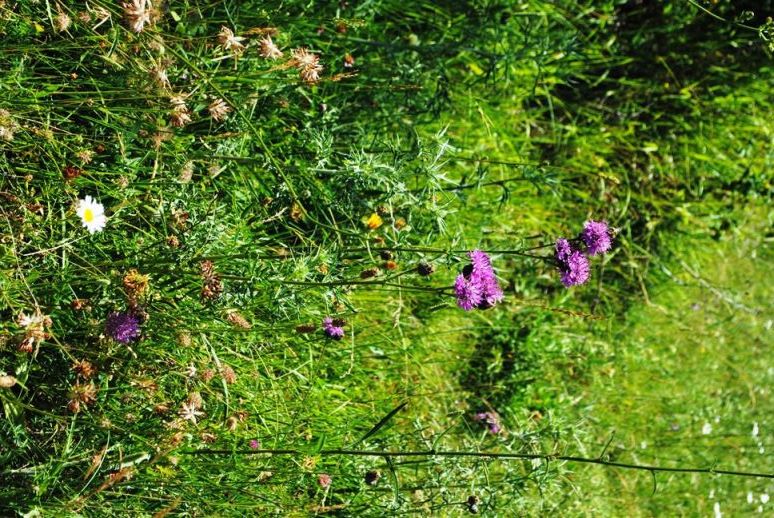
374	221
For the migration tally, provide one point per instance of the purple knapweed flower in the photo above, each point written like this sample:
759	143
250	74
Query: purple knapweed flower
468	293
573	265
477	286
122	327
480	261
483	275
331	329
255	444
596	235
491	420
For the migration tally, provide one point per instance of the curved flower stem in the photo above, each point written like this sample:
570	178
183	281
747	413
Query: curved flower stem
367	283
522	252
490	455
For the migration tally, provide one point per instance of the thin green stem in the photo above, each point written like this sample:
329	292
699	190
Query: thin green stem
486	455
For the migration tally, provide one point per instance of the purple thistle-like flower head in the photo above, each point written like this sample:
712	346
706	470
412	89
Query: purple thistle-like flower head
563	250
479	278
572	263
468	292
331	329
491	293
480	261
576	271
122	327
492	421
596	235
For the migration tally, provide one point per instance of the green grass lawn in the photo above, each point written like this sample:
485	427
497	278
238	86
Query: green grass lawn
264	166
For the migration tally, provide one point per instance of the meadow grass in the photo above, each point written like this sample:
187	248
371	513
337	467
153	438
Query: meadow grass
259	198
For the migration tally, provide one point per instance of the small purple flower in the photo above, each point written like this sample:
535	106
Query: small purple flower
331	329
255	444
491	420
476	286
480	261
468	293
483	275
573	265
596	235
122	327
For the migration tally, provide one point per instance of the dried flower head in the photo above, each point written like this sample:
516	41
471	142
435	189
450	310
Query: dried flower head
85	156
62	21
135	284
36	328
82	394
184	339
219	109
307	64
188	412
101	14
159	76
208	437
187	171
324	480
195	400
6	133
80	304
122	327
237	320
228	374
213	286
179	118
84	369
160	409
229	41
7	125
180	115
159	137
139	13
268	49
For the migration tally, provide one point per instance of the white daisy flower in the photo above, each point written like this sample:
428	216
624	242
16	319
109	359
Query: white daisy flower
92	214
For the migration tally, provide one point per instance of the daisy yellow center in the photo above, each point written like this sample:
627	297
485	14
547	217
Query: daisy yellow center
88	215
